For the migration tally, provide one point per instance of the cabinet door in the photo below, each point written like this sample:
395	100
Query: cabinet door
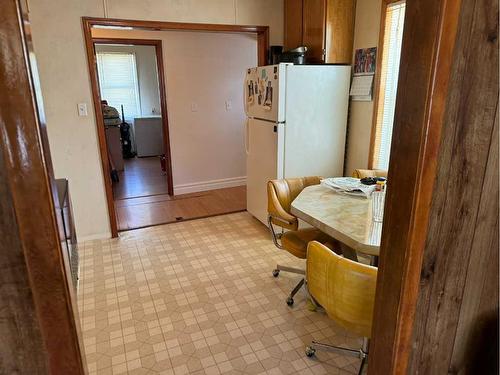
314	19
339	31
293	24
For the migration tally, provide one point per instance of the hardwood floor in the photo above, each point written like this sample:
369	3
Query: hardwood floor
140	212
141	198
141	177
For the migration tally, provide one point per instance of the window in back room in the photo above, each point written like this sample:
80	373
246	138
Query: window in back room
118	81
388	84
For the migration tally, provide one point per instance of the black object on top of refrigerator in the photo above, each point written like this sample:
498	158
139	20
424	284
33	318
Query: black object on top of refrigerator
296	55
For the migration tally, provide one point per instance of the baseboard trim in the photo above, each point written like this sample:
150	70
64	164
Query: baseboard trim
92	237
196	187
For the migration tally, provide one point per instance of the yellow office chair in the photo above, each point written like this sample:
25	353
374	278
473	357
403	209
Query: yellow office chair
346	290
280	194
362	173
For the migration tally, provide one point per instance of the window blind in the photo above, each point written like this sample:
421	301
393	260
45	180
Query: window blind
389	72
118	81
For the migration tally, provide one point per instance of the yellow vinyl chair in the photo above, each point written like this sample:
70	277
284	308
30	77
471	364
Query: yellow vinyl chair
362	173
346	290
280	194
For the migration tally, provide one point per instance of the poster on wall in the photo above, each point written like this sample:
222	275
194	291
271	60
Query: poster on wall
365	60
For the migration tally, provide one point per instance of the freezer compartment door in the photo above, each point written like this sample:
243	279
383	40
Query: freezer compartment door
264	163
265	92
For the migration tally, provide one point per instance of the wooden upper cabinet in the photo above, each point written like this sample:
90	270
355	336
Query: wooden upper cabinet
293	24
314	22
339	31
325	27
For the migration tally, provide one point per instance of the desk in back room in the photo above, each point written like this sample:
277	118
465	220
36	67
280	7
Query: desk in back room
148	134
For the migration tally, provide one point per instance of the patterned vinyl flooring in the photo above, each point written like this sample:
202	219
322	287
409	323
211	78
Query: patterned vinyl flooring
198	297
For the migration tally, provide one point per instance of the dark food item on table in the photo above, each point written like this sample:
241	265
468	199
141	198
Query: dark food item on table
371	180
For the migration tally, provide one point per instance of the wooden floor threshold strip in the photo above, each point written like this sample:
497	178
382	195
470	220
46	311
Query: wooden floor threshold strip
183	219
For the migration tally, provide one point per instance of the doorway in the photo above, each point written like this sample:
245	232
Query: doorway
130	76
209	194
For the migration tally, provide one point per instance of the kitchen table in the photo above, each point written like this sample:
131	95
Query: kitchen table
344	217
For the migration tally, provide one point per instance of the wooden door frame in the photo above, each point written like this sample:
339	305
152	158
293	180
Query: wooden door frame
38	305
161	86
262	33
425	70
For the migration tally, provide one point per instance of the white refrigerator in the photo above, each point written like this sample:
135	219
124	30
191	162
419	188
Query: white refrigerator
296	125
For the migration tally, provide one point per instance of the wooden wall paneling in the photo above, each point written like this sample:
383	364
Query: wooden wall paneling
339	37
458	288
40	309
428	42
476	349
314	23
293	23
262	33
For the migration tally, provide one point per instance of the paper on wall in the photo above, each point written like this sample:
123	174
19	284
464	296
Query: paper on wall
362	86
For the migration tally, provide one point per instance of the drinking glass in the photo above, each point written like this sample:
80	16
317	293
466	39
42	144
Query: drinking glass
378	200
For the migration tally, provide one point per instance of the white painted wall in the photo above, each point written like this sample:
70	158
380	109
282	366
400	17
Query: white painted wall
147	75
366	32
59	45
204	70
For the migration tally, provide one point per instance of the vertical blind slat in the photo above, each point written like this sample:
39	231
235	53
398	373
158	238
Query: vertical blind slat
393	36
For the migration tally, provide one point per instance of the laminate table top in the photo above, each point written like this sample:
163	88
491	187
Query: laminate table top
344	217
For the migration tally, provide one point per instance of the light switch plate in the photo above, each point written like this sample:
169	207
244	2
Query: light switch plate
194	107
82	109
229	105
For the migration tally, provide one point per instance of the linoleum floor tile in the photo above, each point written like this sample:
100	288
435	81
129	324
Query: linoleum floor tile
198	297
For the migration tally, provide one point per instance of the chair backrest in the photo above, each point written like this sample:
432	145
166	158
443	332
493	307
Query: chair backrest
281	193
345	289
362	173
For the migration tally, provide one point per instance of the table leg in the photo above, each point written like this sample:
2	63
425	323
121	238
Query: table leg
348	252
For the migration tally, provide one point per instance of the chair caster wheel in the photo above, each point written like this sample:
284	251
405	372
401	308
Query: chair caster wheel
310	351
276	272
289	301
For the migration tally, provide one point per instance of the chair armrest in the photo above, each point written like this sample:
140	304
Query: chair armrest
276	211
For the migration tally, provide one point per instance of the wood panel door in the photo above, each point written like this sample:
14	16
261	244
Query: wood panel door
314	24
293	23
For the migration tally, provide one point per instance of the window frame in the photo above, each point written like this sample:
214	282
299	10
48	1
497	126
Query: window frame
137	92
378	72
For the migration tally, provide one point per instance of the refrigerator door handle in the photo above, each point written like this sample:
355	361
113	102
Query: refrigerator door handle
245	96
247	145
